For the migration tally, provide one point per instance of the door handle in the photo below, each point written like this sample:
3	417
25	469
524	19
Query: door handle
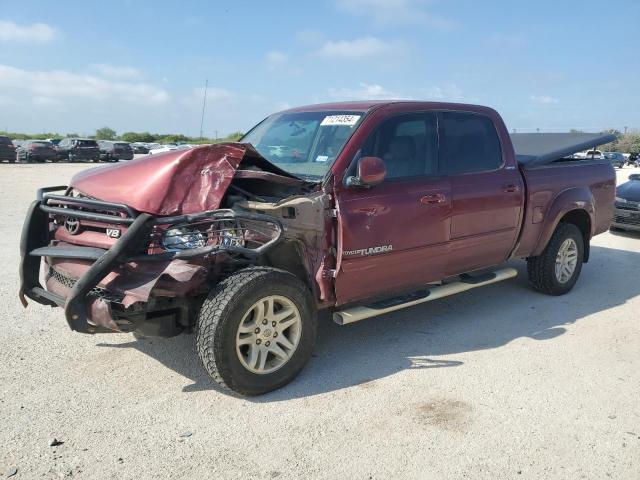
510	188
433	199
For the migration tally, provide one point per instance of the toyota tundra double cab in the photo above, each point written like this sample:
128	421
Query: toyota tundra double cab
361	208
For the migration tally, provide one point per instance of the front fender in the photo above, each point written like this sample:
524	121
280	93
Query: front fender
577	198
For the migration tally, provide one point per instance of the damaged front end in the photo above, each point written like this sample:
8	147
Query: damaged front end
148	279
136	246
116	268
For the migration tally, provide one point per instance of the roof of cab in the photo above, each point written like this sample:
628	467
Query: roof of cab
357	106
367	105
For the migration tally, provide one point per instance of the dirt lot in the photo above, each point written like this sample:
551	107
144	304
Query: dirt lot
500	382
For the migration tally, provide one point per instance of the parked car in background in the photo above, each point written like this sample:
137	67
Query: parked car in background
140	148
7	150
595	154
170	147
113	151
617	159
74	149
36	151
162	149
626	213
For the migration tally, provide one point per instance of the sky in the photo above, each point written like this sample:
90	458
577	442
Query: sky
75	66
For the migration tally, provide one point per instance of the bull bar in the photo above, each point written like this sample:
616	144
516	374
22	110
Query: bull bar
35	244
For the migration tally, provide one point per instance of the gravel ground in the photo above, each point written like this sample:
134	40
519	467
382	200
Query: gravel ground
499	382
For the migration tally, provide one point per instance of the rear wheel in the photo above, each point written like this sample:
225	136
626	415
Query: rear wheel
256	330
556	270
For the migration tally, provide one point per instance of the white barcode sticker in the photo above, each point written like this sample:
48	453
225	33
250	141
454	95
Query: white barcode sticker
346	120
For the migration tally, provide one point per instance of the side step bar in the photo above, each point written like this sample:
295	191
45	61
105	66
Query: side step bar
466	282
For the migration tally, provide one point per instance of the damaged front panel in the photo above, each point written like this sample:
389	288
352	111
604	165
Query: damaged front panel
197	215
308	231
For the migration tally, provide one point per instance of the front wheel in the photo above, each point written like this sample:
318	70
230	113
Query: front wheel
556	270
256	330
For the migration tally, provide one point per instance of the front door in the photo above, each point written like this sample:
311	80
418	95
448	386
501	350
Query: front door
394	235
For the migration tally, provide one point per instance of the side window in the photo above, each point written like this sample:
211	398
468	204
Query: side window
408	144
469	143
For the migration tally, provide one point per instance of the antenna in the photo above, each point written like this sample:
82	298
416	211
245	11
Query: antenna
204	104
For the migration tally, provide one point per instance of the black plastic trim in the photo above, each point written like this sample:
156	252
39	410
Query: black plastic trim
83	253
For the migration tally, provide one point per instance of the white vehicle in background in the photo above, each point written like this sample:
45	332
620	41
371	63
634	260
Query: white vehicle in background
595	154
162	149
170	147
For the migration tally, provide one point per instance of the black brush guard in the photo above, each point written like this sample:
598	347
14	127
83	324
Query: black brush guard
35	240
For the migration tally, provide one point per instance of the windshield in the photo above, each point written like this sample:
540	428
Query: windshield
306	143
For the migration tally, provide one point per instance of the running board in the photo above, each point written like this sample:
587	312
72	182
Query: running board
466	282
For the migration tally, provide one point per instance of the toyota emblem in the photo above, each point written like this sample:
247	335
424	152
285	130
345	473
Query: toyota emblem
72	225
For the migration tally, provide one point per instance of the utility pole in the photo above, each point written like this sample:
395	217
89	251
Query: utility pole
216	132
625	130
204	104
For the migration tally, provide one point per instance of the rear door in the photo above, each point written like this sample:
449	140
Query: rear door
394	235
487	193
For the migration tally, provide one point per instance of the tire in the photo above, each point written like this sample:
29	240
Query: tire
232	303
542	269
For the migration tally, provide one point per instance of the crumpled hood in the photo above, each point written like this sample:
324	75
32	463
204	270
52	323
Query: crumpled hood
173	183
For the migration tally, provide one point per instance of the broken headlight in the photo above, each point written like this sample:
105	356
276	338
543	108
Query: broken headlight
176	239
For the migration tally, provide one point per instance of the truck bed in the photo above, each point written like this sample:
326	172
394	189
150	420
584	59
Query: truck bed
574	181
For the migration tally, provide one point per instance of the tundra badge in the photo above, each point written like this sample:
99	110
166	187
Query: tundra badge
369	251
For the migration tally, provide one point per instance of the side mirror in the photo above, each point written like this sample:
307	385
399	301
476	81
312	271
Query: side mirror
371	171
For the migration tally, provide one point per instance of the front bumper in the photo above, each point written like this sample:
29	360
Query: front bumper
626	219
122	265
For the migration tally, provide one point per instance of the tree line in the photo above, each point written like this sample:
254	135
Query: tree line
624	143
106	133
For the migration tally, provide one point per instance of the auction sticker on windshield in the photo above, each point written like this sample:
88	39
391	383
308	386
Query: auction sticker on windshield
346	120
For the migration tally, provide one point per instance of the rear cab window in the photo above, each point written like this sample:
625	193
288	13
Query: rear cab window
468	143
5	141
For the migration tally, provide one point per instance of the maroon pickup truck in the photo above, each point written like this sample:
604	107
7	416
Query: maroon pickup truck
361	208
